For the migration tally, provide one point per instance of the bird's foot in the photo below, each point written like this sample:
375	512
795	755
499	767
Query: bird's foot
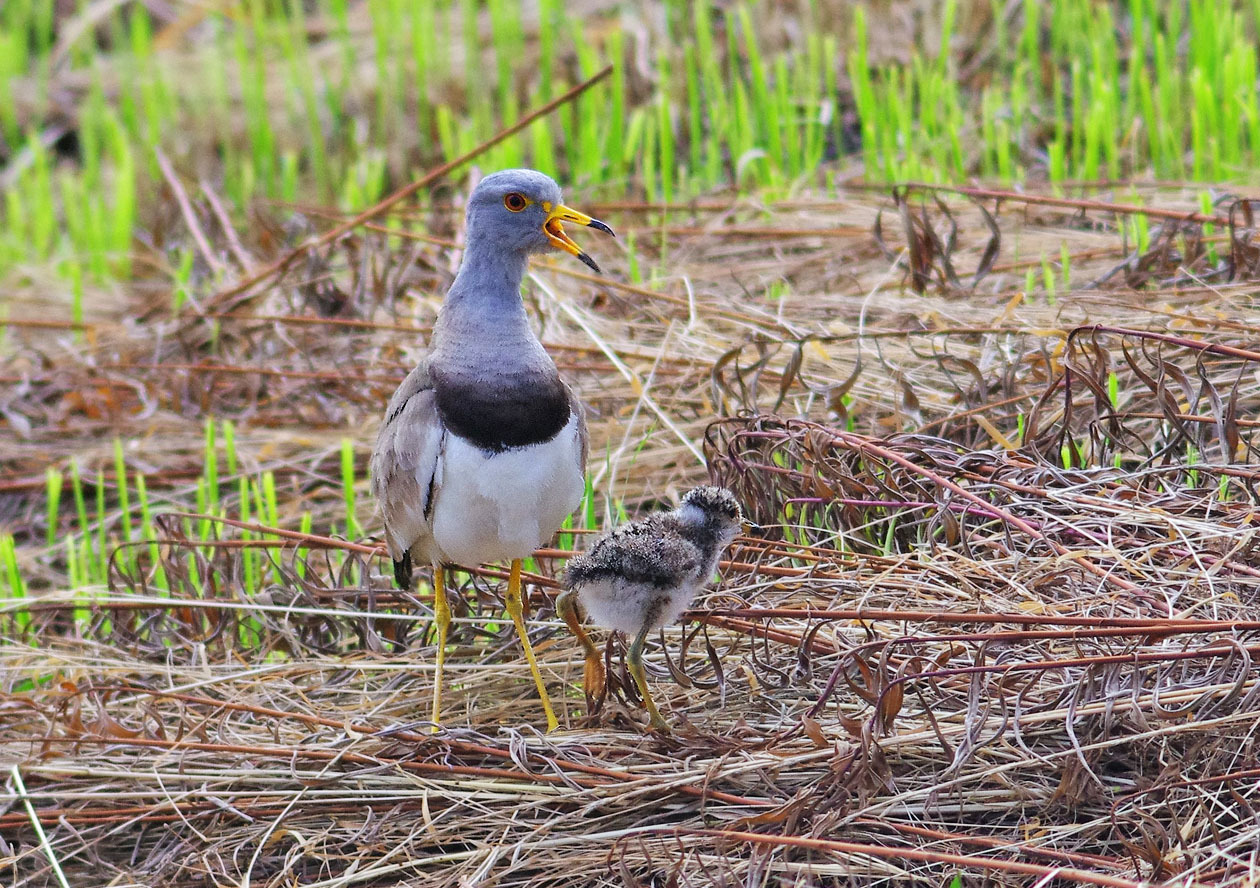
593	680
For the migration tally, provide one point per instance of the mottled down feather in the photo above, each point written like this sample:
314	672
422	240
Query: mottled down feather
651	551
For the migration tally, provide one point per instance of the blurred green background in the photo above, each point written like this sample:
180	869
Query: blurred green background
334	103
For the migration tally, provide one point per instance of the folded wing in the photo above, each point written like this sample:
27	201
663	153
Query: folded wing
404	465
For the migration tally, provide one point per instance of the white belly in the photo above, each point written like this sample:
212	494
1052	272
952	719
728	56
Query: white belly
616	604
502	506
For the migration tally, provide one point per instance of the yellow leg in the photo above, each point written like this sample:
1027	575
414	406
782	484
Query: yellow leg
442	619
634	659
593	673
515	610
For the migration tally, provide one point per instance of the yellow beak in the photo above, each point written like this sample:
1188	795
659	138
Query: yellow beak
554	229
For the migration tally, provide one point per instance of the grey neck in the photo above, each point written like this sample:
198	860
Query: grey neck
483	315
496	386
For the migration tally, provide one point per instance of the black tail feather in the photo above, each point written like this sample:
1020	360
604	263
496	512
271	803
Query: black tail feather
402	571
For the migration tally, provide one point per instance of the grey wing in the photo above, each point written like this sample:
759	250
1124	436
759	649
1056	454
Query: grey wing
405	461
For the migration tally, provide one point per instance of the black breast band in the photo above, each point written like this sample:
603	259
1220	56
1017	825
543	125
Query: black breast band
512	413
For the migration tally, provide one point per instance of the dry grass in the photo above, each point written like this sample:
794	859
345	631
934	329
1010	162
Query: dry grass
959	652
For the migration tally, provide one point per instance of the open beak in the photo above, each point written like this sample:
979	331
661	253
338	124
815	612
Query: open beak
554	229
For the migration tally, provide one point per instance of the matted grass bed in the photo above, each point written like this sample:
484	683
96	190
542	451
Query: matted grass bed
1001	628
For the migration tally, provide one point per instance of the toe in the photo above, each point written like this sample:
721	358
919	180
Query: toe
593	679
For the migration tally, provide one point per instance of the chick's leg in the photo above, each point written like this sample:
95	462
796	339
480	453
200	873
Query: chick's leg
634	659
516	611
593	672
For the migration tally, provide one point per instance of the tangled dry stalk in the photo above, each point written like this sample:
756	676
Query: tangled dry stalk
1003	629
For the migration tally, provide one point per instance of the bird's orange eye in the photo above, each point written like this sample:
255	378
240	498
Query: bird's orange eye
515	201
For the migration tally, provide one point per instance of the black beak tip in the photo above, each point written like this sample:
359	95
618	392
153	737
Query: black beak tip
600	226
590	263
755	530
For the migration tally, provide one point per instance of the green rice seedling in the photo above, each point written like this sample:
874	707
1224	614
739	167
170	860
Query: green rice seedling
550	13
210	474
585	143
203	507
633	270
1209	230
182	274
1030	285
228	435
13	62
268	505
565	540
665	135
542	152
52	498
255	164
353	531
387	28
888	546
13	579
74	573
364	182
267	509
249	556
644	129
148	532
300	554
695	109
37	209
790	130
788	524
102	549
1141	233
588	503
116	220
764	121
447	136
90	571
124	500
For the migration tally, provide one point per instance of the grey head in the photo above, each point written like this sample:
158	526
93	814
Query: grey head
522	212
715	510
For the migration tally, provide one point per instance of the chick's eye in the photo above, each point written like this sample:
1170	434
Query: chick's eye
515	201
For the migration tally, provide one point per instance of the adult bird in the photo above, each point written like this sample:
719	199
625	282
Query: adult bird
482	452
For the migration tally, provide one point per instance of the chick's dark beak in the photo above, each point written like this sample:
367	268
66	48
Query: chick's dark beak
554	229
